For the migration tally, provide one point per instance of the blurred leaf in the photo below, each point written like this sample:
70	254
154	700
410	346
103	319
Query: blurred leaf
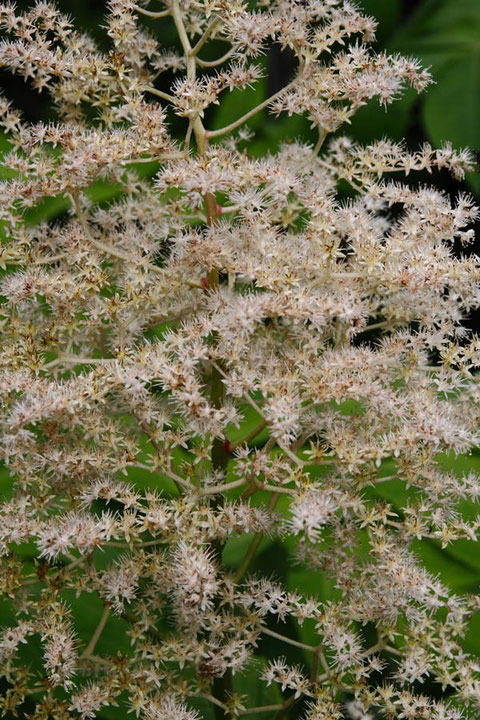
48	209
452	569
257	694
6	484
236	103
446	35
372	122
452	108
472	638
87	610
386	13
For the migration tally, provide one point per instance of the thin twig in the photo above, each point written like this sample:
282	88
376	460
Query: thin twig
262	708
289	641
161	94
209	30
219	61
218	489
151	13
96	635
322	134
250	113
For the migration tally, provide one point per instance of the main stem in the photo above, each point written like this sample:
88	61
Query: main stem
222	686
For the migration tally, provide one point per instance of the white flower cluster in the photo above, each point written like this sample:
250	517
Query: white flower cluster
228	354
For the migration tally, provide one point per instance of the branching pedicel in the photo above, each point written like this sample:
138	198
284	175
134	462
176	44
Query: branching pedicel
262	285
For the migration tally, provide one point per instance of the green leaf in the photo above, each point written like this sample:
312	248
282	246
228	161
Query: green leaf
446	35
452	109
87	610
387	14
256	693
372	121
238	102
